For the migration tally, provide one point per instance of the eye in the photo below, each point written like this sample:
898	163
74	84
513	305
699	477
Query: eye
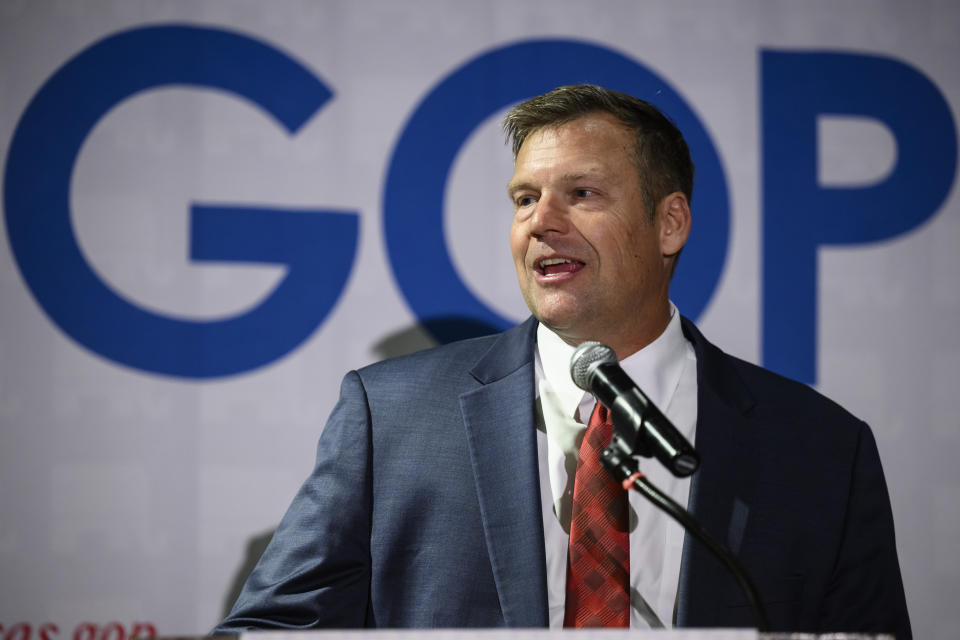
583	193
524	201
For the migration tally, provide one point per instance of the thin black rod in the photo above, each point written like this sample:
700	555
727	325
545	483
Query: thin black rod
625	467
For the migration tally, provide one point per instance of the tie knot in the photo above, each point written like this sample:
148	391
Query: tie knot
600	419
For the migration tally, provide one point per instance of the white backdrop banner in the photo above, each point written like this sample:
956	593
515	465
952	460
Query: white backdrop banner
212	211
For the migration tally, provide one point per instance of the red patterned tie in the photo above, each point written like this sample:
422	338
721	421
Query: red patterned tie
598	574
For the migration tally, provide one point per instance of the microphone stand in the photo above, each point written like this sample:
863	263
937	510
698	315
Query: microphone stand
621	464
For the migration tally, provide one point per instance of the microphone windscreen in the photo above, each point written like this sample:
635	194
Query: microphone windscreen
587	356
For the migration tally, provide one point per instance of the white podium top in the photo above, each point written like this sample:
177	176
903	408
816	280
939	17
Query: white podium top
544	634
513	634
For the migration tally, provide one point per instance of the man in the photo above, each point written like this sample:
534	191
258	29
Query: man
449	488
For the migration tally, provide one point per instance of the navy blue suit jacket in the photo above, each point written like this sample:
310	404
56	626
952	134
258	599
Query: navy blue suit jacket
423	509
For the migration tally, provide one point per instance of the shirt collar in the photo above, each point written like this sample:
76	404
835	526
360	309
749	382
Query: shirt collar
656	368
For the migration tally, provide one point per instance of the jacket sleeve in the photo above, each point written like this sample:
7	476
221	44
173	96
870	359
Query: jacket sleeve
316	570
865	592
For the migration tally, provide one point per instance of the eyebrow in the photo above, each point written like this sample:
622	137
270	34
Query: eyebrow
513	187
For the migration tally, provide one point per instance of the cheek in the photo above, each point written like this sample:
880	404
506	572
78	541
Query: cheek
518	244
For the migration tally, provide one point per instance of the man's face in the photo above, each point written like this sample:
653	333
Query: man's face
589	260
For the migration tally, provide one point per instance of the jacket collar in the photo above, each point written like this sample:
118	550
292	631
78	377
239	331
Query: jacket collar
512	350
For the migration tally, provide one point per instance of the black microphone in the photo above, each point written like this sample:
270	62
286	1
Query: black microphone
639	427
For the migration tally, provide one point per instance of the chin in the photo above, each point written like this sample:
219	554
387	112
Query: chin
557	321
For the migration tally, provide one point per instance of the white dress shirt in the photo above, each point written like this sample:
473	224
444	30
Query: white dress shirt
666	371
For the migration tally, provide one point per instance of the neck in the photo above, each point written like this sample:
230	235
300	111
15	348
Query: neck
632	338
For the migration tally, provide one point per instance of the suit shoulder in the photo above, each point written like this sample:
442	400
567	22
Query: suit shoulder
797	402
461	352
765	394
449	369
482	357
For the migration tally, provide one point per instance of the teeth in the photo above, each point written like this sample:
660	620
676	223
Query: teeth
549	262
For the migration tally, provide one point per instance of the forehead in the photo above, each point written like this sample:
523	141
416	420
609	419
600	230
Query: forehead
591	144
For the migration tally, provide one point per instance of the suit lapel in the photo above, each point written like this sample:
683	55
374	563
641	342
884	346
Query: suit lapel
501	436
719	494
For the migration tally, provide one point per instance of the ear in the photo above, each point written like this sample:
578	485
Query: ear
673	214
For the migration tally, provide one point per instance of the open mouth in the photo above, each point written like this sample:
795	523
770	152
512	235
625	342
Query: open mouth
554	266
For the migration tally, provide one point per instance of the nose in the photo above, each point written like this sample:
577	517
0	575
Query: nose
550	216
